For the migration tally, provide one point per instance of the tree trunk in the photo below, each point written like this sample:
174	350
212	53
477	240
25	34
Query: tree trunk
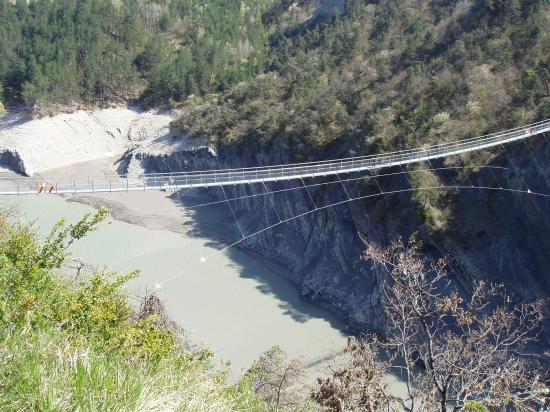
444	401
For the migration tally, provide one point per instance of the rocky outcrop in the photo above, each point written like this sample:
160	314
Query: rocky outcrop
502	236
10	159
35	145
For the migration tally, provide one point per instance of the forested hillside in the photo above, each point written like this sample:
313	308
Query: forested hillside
389	74
260	68
68	52
383	76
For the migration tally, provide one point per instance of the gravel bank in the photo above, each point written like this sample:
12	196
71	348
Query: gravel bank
29	146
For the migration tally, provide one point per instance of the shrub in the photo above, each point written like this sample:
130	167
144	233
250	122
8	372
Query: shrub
474	406
77	344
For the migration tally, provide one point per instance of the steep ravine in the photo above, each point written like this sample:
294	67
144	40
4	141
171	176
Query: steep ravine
501	236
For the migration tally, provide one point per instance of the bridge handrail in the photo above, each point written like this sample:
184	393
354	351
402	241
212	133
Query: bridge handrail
454	145
485	138
276	172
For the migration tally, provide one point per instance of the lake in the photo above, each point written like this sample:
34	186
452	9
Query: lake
232	302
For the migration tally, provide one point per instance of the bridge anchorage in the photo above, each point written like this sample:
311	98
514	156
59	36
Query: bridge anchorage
294	171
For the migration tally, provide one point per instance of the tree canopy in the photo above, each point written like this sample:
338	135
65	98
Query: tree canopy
95	52
456	353
387	75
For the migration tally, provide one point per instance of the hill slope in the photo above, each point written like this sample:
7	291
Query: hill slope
391	74
56	55
383	76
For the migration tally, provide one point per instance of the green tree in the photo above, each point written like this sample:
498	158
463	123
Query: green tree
474	406
542	71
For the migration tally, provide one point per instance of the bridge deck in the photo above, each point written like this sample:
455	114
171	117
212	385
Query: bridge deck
208	178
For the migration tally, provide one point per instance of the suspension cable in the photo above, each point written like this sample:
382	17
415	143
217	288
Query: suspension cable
372	176
450	187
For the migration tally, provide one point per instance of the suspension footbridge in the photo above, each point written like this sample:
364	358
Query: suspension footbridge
293	171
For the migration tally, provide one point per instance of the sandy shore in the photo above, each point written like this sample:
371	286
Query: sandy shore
135	208
65	139
152	209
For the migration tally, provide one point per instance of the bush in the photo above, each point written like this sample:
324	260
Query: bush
77	344
474	406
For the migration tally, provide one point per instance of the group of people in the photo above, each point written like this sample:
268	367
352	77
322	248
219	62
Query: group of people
45	188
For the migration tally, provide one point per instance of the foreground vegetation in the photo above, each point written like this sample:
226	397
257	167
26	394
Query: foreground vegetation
452	352
77	344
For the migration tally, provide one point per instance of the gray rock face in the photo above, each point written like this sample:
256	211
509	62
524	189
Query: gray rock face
495	235
11	160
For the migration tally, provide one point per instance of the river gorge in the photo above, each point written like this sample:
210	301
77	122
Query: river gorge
302	284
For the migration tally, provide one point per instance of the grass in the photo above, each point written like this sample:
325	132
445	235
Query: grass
77	344
46	370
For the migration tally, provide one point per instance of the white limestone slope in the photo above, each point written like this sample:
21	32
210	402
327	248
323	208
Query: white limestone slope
69	138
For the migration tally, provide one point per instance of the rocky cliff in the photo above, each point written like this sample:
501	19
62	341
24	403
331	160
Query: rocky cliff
498	235
28	146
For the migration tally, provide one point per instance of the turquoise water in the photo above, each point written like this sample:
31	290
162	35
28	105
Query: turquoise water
232	303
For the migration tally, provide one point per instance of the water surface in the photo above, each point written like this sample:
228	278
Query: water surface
232	303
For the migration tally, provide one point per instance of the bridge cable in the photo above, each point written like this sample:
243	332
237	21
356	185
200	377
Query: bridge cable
432	169
343	187
376	181
309	194
535	205
232	211
450	187
490	169
330	183
517	170
461	162
541	171
405	173
363	197
267	193
534	227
